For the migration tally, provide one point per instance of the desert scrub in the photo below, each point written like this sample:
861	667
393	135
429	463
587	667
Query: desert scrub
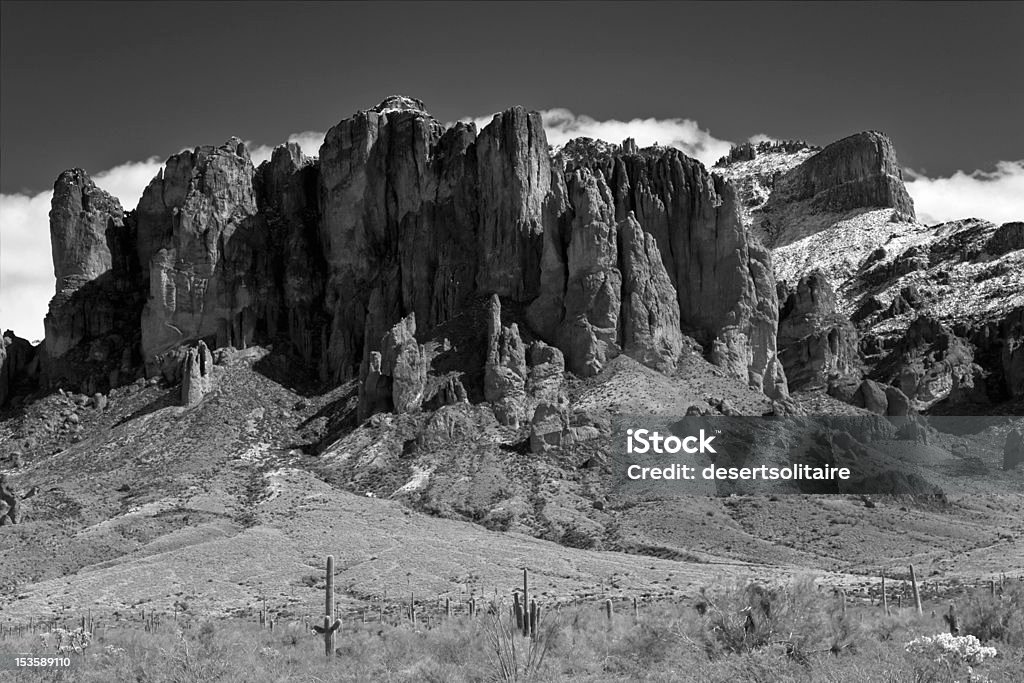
995	618
798	620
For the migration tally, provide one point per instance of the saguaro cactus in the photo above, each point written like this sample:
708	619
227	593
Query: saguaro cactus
526	601
608	609
952	621
913	588
331	625
885	598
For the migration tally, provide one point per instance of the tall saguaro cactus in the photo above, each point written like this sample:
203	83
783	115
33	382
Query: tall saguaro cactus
331	625
526	602
917	594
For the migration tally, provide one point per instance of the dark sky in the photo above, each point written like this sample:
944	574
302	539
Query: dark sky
97	84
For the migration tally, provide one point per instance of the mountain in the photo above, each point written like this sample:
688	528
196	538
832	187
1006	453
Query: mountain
462	321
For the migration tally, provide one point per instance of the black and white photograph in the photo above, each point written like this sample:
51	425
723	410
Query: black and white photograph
482	342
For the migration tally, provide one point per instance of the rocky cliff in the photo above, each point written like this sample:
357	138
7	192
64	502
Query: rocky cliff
354	264
92	326
926	310
400	218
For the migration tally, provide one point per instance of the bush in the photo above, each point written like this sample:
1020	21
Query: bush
798	619
999	618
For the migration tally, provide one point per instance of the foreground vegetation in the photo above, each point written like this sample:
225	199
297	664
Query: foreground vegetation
747	633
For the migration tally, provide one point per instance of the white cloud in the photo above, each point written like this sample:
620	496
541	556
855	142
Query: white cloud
26	262
997	196
759	138
309	141
26	267
562	125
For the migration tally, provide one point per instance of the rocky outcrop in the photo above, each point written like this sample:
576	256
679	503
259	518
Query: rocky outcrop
1008	237
196	374
856	172
722	280
199	241
514	171
288	200
10	505
92	325
396	376
927	362
549	427
546	366
650	311
881	399
505	368
620	250
588	327
816	343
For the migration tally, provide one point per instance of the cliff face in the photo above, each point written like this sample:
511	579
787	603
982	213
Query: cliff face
856	172
808	194
92	323
200	241
721	277
401	217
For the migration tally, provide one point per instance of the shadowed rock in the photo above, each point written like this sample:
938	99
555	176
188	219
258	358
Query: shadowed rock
815	342
505	368
1013	451
396	377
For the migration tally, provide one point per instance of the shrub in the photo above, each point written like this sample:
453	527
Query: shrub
798	619
999	618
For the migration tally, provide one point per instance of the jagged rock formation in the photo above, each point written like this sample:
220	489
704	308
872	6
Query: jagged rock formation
792	193
927	361
505	368
602	250
625	253
92	323
197	374
396	376
198	235
844	211
722	278
288	200
605	289
549	427
816	343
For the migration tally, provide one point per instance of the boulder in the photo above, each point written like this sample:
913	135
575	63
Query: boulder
871	396
549	427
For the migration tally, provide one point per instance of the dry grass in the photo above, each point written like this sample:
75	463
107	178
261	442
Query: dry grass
747	633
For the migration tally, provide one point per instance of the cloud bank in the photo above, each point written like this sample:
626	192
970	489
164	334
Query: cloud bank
997	196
